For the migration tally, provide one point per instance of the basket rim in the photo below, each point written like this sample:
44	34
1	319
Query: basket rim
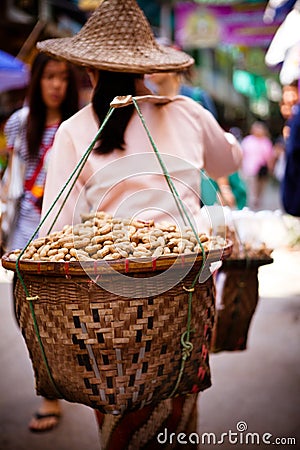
245	263
123	265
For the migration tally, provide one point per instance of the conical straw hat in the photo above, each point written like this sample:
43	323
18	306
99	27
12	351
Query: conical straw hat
118	38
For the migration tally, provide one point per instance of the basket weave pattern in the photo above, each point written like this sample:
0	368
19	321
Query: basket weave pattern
117	37
239	301
114	353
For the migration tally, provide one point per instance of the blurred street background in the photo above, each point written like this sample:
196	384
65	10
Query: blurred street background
228	40
259	388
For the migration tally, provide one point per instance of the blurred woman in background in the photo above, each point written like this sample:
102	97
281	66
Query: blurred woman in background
52	98
257	161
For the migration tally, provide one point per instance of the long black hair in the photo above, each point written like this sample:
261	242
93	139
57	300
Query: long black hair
37	109
110	85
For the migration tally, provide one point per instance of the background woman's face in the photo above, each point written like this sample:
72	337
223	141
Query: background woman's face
54	83
290	98
159	78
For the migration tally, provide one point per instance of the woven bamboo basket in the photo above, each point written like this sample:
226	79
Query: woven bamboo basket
239	299
115	353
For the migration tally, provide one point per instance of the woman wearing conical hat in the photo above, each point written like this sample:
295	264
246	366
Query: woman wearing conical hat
122	175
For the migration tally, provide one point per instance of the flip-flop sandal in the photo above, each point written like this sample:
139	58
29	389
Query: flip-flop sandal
39	416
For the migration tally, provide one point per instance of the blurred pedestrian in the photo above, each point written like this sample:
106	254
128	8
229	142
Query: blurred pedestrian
278	163
237	132
289	99
119	49
257	161
52	97
175	83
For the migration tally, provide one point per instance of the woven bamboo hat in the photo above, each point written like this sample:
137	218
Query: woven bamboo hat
118	38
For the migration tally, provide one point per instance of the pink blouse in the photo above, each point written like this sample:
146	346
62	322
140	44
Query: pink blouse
130	183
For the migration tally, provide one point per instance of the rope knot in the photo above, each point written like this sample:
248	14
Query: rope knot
187	346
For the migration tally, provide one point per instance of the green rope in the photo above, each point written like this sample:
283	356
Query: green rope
78	168
81	165
165	171
185	338
187	346
177	198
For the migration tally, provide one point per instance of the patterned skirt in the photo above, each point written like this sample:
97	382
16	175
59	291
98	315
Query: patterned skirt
154	427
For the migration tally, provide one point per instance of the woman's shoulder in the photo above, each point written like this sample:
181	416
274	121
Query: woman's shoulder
81	123
79	127
188	101
187	106
17	116
157	101
249	139
85	114
15	121
182	103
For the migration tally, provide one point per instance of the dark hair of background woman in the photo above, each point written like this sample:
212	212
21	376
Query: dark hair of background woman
37	109
110	85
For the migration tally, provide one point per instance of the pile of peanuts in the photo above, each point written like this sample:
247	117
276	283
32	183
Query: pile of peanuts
100	236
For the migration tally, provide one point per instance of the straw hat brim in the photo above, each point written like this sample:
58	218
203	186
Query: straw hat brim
117	37
159	59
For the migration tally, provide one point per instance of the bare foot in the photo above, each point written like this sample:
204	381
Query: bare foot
47	417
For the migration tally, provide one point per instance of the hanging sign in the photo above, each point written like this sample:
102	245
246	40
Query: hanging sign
206	26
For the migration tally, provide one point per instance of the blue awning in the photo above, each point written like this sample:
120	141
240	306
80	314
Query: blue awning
14	74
